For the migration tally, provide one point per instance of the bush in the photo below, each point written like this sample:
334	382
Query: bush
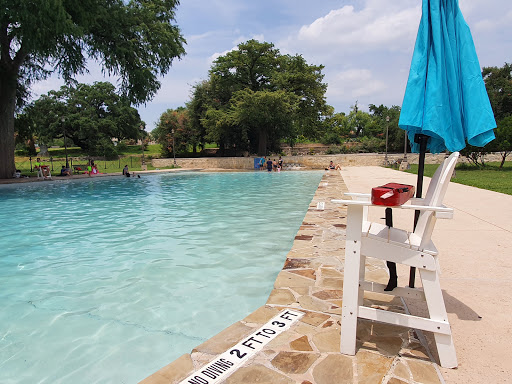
372	145
122	147
331	138
333	150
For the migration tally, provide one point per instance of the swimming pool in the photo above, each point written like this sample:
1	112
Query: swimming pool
108	280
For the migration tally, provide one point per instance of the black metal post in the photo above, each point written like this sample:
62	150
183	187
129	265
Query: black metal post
387	132
393	277
422	140
30	163
405	146
51	162
63	120
173	149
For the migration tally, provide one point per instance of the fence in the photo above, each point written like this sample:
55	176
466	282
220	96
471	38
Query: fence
26	164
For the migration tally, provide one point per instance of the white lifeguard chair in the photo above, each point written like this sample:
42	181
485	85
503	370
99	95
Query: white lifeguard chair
40	172
415	249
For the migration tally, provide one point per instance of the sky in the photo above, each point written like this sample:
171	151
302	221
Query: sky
365	45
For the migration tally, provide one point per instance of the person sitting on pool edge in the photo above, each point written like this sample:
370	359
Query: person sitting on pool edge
332	166
65	171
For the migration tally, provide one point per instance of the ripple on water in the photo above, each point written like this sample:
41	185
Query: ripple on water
109	280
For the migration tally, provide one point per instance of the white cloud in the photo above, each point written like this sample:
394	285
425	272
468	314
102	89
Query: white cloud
375	27
365	45
355	83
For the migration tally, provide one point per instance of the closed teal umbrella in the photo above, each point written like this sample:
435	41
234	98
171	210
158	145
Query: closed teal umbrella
445	102
445	98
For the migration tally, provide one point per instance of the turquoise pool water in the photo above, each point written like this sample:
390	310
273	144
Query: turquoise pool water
108	280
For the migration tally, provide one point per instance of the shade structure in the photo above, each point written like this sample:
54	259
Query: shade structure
445	98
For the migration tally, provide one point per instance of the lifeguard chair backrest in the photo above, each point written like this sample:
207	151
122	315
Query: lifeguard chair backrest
435	196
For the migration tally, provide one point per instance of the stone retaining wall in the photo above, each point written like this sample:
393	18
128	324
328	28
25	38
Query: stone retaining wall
313	162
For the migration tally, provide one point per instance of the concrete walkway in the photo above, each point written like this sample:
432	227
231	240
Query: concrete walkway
476	264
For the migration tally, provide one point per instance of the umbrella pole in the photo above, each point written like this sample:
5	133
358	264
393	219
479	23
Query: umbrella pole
422	141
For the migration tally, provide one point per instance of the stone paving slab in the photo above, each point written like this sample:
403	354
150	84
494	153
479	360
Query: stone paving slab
311	281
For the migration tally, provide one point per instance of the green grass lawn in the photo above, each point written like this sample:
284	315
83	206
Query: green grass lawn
490	177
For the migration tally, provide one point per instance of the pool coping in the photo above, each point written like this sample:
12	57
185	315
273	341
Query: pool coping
308	352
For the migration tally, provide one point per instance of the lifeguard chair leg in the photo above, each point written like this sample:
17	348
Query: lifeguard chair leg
353	272
437	311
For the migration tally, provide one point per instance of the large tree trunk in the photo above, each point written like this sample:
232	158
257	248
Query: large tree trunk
7	106
262	143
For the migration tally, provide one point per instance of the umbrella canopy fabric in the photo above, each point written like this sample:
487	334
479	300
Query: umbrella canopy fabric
445	97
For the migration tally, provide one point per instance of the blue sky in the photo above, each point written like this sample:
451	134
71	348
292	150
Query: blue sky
365	45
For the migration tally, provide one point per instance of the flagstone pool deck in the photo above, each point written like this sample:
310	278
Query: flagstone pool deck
308	353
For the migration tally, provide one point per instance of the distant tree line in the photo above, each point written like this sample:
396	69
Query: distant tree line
498	82
87	116
254	100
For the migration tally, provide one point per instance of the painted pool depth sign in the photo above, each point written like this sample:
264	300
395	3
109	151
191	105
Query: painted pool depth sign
227	363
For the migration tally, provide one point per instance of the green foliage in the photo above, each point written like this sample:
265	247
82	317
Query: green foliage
340	127
498	82
396	136
262	117
135	40
503	141
173	131
371	145
255	97
197	107
89	116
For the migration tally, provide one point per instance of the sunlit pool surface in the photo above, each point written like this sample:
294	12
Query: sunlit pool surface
108	280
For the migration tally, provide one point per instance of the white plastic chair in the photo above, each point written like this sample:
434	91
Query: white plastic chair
40	173
415	249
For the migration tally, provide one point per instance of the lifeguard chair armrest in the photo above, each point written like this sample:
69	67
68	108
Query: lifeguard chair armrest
441	212
358	195
366	203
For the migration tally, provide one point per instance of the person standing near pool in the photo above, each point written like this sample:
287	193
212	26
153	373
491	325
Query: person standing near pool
269	165
262	163
89	168
125	171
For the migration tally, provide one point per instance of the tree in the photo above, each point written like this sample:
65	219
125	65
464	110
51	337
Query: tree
39	122
305	81
250	74
396	136
132	39
90	115
198	106
263	117
503	142
95	114
337	128
498	82
173	131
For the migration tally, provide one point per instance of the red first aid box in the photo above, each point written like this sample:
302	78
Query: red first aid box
392	194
